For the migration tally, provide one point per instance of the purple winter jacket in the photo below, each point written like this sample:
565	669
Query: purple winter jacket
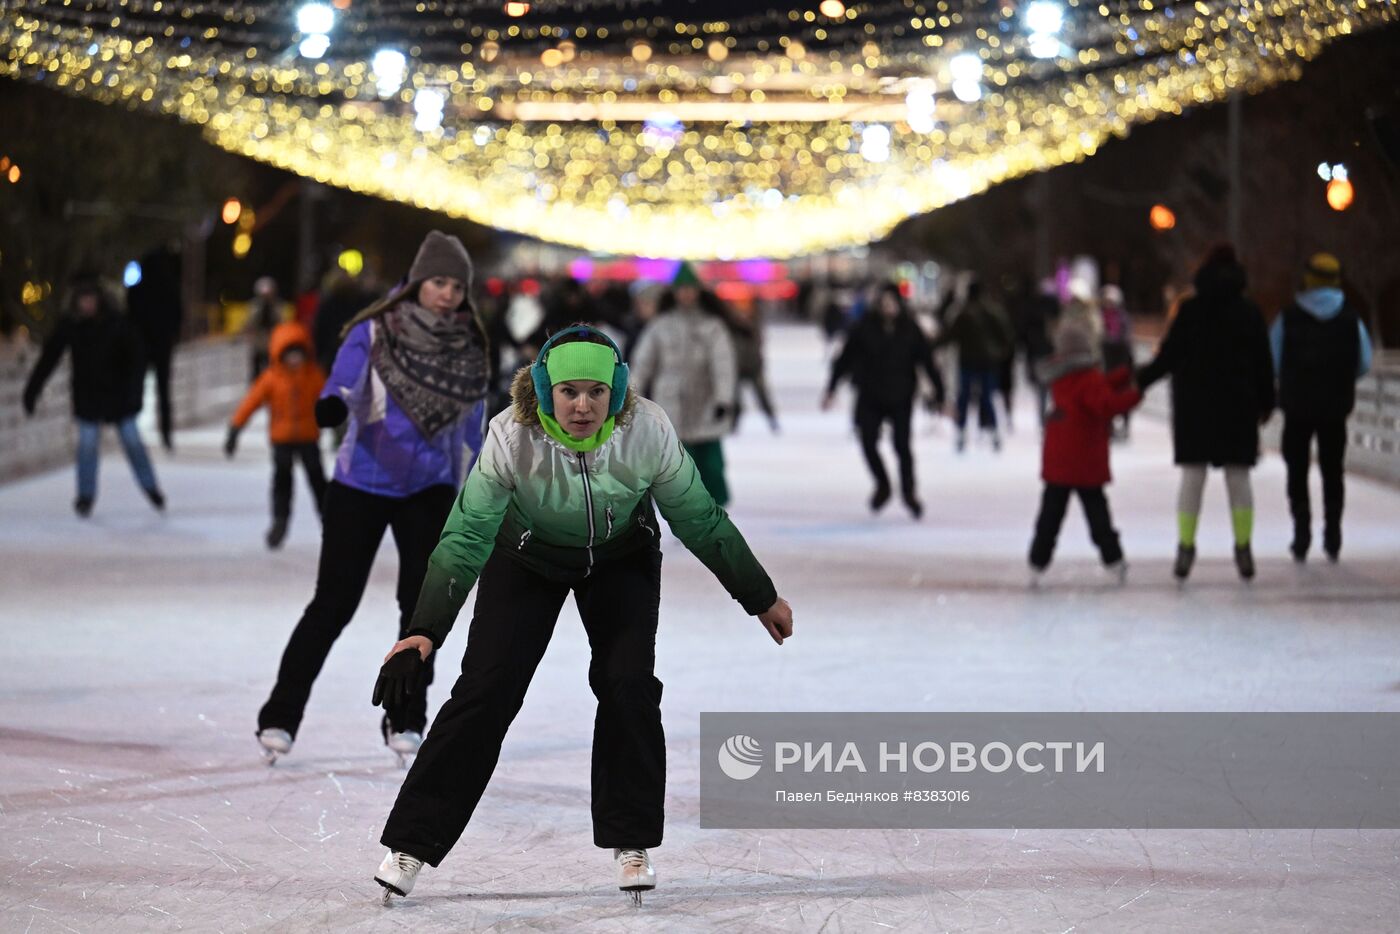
384	453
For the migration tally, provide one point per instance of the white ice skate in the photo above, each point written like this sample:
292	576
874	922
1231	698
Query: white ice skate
274	743
397	874
1037	577
1118	570
404	744
635	874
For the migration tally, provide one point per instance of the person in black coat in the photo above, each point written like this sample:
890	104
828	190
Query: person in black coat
108	371
156	308
882	356
1217	355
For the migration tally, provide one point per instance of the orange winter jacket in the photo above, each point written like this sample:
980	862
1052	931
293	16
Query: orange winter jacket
289	395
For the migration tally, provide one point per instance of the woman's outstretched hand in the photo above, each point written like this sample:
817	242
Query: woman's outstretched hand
777	619
423	644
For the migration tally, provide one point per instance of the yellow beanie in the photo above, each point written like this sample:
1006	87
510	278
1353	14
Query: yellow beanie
1323	269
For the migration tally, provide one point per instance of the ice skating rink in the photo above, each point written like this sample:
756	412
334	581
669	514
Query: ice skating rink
135	650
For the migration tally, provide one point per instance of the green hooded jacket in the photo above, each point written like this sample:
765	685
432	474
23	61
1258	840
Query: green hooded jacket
561	512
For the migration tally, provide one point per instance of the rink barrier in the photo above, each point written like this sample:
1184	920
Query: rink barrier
1373	431
208	377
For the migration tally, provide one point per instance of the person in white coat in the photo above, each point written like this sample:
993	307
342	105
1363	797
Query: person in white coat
685	362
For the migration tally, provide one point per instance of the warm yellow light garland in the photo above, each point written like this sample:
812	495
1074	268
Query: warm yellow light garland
706	189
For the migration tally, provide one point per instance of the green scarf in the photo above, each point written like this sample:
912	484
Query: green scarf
581	445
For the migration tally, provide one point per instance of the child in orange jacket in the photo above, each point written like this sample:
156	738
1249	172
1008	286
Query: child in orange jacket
289	388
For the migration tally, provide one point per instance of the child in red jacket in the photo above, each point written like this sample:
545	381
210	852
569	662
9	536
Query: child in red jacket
289	388
1085	401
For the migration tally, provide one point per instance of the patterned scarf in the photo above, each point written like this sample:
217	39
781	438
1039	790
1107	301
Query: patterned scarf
435	366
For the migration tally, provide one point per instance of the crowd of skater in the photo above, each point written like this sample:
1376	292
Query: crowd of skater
524	448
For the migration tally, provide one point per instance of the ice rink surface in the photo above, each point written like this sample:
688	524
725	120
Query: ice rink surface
135	650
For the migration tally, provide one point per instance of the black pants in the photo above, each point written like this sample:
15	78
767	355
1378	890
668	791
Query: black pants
158	356
870	418
283	456
516	610
1053	503
1331	433
352	524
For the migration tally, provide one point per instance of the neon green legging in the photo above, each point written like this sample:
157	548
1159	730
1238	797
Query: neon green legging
1237	490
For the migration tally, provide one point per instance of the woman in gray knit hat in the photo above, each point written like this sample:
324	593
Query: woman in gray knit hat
409	378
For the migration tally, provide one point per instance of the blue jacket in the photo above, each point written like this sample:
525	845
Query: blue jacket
383	452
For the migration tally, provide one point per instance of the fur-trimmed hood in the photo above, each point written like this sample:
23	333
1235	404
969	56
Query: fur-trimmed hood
525	402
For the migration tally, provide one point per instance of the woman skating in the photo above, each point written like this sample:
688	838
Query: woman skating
1217	354
882	357
408	377
561	500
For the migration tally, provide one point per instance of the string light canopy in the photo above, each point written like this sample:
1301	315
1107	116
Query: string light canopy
722	129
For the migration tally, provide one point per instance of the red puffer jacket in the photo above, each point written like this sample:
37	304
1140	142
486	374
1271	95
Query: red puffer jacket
1085	401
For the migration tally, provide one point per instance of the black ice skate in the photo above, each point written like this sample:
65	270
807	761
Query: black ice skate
1185	557
1244	562
635	874
277	533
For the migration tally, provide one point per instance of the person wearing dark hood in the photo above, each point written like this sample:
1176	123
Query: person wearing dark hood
107	372
882	357
157	310
408	378
1217	355
1320	349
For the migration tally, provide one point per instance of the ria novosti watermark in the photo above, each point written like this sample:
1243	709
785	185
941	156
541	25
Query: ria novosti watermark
1297	770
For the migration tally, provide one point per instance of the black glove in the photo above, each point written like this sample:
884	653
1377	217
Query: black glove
231	441
331	411
399	679
723	412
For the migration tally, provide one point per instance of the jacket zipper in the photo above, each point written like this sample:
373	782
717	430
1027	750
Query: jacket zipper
524	539
609	513
588	507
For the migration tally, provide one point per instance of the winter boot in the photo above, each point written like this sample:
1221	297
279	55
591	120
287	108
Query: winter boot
83	506
1185	557
1244	561
635	874
397	874
278	533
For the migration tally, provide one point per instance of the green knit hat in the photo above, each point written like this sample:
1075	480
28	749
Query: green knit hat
685	276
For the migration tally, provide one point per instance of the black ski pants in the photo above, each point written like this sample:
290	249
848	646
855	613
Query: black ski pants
284	457
1053	504
871	416
1331	434
352	525
516	609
